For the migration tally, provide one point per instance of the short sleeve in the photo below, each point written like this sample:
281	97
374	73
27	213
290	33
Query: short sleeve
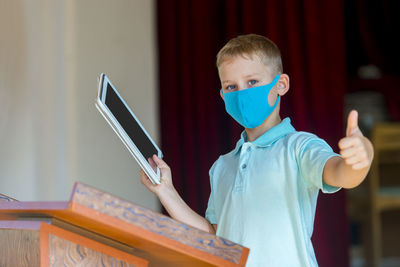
312	157
210	212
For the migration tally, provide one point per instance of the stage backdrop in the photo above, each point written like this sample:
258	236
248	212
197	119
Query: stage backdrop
194	125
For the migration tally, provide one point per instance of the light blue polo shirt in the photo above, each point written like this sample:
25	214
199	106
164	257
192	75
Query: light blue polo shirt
264	194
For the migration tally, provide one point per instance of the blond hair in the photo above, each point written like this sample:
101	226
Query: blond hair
249	45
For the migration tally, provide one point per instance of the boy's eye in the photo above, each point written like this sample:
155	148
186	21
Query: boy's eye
252	82
230	87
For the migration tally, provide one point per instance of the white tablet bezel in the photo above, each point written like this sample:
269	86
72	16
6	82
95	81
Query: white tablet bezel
155	176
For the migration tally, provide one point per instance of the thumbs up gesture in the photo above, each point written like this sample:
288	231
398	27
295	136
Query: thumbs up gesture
355	149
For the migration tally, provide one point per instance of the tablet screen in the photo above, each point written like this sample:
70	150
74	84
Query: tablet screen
129	124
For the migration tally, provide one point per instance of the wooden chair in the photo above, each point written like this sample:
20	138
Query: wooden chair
386	140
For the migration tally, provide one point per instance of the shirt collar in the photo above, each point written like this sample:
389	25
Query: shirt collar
269	137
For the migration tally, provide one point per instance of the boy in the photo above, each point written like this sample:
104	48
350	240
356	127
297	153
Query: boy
264	192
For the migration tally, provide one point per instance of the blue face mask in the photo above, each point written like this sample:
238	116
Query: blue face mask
250	107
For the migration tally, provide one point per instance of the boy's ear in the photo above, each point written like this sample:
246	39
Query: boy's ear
283	84
222	96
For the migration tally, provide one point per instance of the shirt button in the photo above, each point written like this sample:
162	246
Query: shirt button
244	166
248	149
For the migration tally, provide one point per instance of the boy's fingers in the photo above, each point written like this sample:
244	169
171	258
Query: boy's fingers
160	163
152	164
348	152
352	160
349	142
144	179
143	176
360	165
151	161
356	158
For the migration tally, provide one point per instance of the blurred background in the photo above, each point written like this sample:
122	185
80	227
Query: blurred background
160	55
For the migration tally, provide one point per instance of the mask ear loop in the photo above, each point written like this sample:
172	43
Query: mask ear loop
276	103
275	81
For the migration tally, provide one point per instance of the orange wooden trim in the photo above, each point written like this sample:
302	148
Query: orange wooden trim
114	225
7	217
14	224
94	245
245	255
44	246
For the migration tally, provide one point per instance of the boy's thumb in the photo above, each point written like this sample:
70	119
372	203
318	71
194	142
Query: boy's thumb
352	123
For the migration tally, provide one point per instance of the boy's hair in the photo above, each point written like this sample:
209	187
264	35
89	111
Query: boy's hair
247	46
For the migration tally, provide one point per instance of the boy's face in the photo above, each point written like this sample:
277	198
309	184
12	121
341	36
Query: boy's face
240	73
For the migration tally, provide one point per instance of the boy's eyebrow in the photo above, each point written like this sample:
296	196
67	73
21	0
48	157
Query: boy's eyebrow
247	76
252	74
226	81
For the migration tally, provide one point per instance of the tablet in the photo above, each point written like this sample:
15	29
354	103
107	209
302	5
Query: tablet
126	125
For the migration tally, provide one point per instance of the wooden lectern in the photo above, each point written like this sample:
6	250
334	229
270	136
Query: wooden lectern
95	228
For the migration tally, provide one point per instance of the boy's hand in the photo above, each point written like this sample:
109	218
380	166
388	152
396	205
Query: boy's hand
356	150
170	199
166	180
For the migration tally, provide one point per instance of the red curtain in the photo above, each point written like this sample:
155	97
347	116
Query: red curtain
195	128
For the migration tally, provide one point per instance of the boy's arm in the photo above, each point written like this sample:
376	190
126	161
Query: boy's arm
171	200
357	153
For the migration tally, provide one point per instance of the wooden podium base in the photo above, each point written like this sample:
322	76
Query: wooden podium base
42	244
